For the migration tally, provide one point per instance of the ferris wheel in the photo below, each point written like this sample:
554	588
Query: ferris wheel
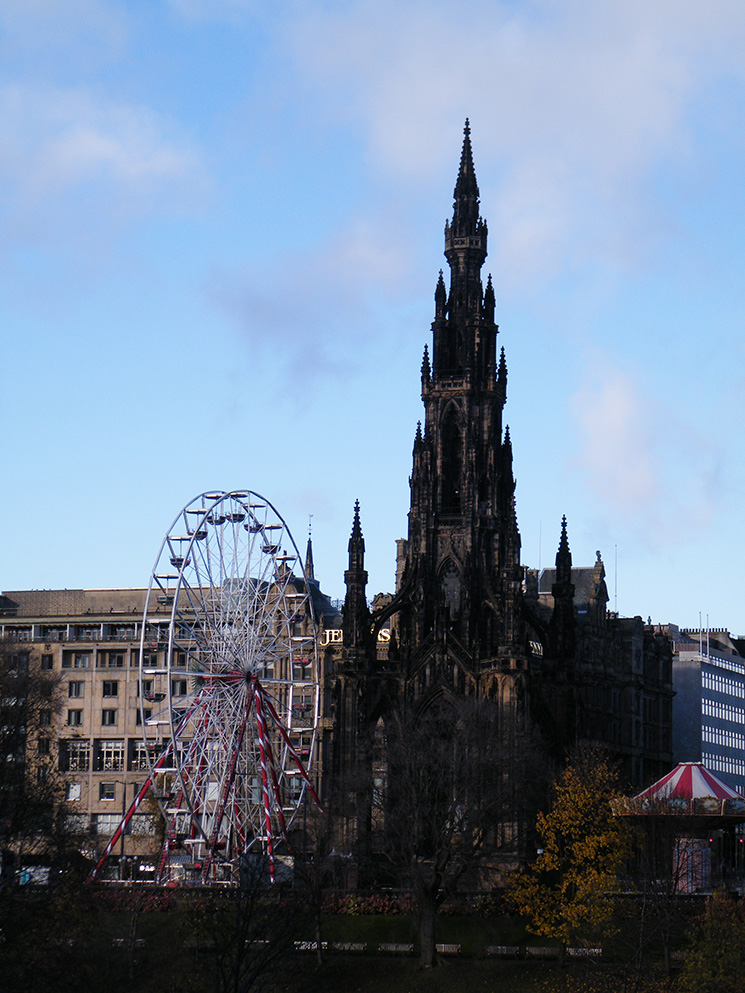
229	686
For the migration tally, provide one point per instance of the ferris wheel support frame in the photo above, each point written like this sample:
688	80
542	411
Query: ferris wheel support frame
237	613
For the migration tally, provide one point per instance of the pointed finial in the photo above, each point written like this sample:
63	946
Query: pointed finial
502	373
489	300
440	297
466	187
426	370
563	556
356	526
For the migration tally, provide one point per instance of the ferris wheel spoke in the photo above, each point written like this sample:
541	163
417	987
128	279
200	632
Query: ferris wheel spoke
227	787
239	611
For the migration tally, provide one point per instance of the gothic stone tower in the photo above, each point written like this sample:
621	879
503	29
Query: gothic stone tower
466	619
459	578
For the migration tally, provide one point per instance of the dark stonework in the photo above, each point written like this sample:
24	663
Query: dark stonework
467	620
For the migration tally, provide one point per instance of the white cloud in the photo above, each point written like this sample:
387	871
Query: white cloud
617	454
63	143
575	104
647	467
85	30
314	309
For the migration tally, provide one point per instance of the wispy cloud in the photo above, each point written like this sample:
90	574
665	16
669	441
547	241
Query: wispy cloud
61	143
314	309
617	449
85	32
576	103
645	465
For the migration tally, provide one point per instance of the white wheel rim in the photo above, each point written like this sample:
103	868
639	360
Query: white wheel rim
229	611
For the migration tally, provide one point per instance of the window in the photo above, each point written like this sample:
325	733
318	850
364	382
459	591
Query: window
110	687
74	718
45	718
302	706
148	715
123	632
52	633
294	786
74	756
178	687
76	660
76	687
47	662
107	791
105	823
108	718
109	756
76	823
303	747
146	687
110	660
42	774
72	791
143	825
139	754
43	745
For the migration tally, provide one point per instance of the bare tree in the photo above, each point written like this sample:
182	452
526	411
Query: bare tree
656	917
316	868
456	791
239	938
31	790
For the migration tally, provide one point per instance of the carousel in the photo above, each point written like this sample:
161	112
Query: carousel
698	813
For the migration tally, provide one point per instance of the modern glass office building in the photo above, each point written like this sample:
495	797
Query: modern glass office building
709	702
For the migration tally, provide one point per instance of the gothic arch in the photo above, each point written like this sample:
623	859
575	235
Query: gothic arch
451	460
439	698
451	586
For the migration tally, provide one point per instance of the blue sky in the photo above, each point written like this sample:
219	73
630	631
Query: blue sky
220	231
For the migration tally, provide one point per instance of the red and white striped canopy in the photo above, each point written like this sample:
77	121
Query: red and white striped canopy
689	781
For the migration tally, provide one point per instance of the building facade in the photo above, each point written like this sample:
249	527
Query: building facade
709	705
90	737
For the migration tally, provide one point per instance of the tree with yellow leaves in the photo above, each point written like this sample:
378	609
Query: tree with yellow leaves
566	893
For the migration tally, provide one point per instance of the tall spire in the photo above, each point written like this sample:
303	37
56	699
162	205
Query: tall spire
563	626
309	574
466	193
564	556
463	547
356	547
356	625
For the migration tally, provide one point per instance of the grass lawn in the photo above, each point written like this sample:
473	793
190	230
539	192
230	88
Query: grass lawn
365	974
472	933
